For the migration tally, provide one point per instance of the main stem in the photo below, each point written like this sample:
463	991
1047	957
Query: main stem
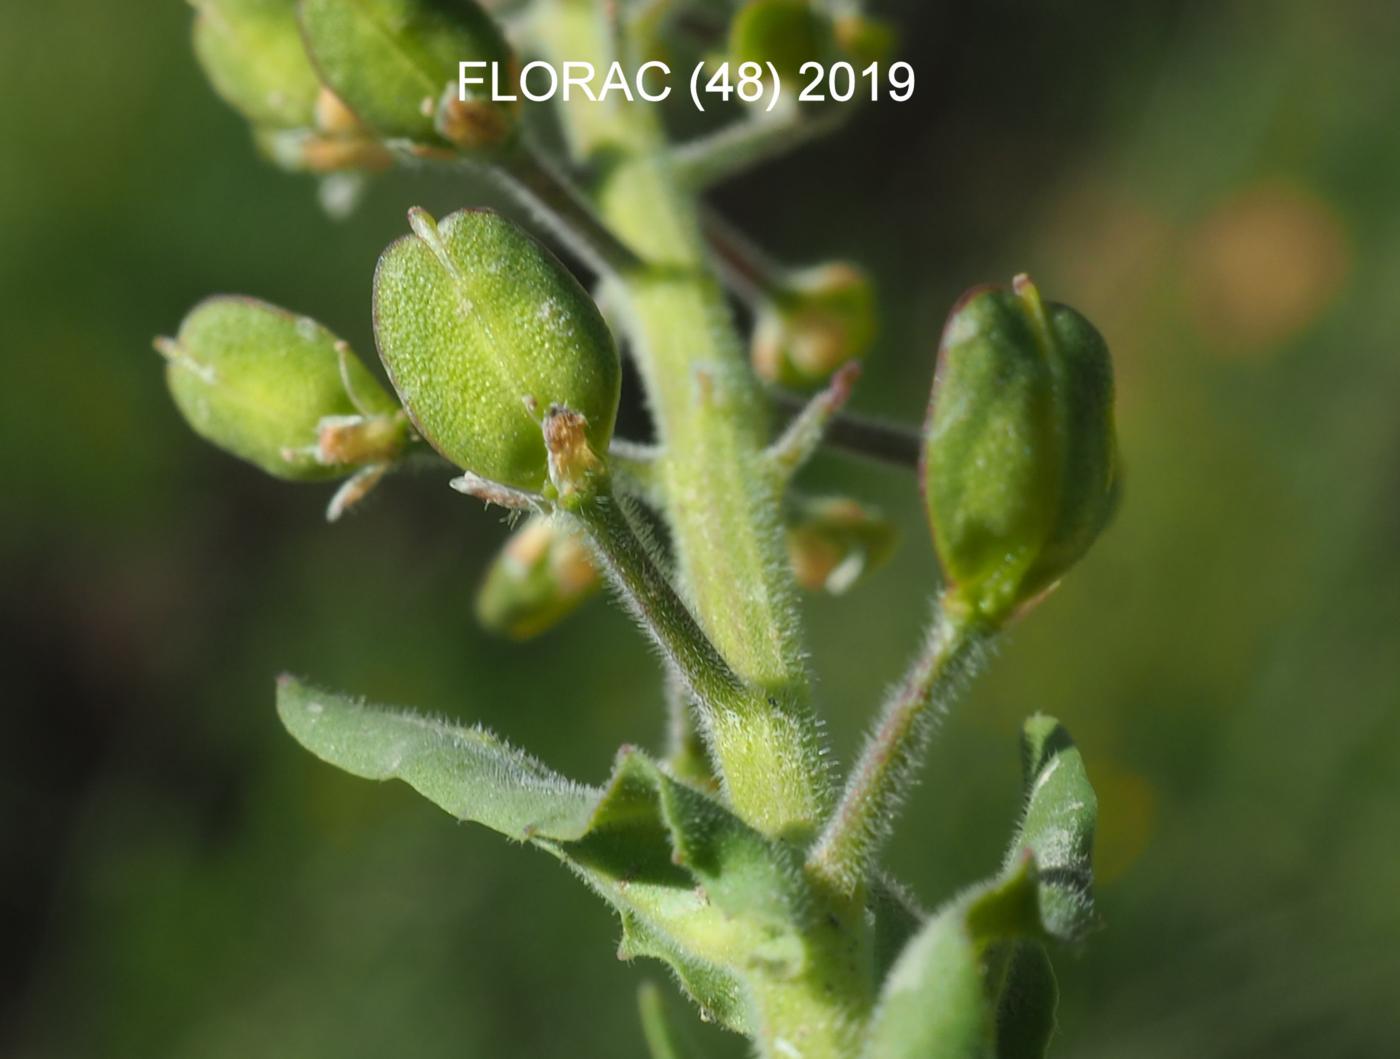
722	502
723	509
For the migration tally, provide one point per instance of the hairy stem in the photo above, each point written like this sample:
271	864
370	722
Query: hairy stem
722	505
804	434
645	586
744	144
543	190
844	855
856	435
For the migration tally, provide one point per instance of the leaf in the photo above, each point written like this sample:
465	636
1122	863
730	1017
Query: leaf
719	994
934	1003
1057	827
976	981
466	771
694	885
1057	831
744	873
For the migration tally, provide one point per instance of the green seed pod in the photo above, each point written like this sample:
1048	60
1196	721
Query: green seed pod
279	391
483	332
786	33
395	64
541	576
823	318
834	542
253	55
1020	467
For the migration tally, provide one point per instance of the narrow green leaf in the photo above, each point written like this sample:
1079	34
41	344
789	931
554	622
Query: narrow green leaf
1057	827
934	1003
720	995
744	872
466	771
976	982
1057	831
694	885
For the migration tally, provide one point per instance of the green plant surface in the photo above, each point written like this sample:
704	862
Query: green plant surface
934	1002
252	52
391	61
482	332
691	884
753	887
259	381
1212	190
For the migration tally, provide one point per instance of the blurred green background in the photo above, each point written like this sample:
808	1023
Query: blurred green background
1216	184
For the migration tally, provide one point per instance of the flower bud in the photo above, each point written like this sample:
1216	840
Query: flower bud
395	63
786	33
279	391
486	336
833	542
541	576
1020	467
824	317
253	55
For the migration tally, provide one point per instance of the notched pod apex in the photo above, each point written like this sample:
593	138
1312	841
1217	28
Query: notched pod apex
485	334
1020	462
